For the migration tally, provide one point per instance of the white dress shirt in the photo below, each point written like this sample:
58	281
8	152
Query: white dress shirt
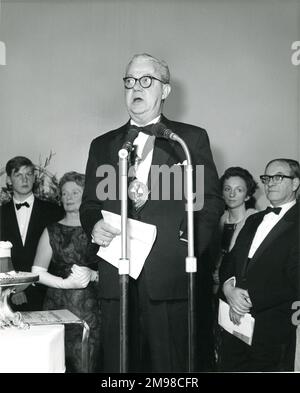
23	216
144	149
267	224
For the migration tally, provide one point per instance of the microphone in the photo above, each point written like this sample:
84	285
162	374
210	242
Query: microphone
161	131
132	134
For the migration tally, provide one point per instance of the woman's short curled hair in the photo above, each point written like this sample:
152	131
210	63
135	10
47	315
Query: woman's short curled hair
251	184
72	176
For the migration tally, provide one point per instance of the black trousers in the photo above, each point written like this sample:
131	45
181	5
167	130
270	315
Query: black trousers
237	356
158	333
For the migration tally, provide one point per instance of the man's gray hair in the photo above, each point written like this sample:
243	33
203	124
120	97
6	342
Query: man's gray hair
160	65
293	164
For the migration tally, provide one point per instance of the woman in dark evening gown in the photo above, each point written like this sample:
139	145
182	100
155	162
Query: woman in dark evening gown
61	261
238	188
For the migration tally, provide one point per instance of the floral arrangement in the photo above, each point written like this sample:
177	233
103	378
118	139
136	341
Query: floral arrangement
45	184
5	194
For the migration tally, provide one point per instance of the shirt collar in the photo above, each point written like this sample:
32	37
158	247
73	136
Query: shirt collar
154	121
285	207
141	139
29	200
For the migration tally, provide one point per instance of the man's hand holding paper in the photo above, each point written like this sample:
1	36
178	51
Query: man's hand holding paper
141	238
234	316
103	233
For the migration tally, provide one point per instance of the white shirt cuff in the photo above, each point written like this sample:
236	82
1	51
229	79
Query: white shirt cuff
233	279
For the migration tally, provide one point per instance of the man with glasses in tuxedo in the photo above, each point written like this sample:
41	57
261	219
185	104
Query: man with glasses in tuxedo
262	277
158	309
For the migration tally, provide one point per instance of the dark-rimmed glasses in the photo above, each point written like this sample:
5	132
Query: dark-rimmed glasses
144	81
276	179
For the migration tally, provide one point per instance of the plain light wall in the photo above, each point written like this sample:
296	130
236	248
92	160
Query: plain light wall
230	63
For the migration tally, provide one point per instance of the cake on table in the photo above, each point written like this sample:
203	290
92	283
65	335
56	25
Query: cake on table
8	276
25	348
11	281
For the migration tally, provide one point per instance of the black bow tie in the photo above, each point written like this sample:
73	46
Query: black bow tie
19	205
146	129
275	210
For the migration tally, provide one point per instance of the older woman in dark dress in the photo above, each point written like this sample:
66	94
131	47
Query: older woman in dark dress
61	255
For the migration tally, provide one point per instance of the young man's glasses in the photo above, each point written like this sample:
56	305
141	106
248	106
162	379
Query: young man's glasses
276	179
144	81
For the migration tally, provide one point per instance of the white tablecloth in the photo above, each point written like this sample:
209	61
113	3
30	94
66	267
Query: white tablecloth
40	349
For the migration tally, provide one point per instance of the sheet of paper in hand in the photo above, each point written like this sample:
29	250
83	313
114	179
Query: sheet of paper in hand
243	331
141	238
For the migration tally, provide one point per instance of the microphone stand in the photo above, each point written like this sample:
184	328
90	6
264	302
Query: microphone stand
190	260
161	131
124	264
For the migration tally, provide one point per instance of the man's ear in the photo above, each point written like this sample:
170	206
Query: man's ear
247	198
8	180
166	91
296	183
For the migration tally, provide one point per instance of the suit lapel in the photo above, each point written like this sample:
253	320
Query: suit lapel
13	224
116	142
32	221
165	152
114	145
282	226
257	219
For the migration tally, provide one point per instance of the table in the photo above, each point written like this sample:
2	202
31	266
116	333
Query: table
64	317
39	349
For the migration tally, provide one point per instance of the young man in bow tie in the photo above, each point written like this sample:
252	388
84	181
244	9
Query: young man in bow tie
23	220
158	298
266	265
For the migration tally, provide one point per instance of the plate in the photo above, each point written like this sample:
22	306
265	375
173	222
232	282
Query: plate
17	278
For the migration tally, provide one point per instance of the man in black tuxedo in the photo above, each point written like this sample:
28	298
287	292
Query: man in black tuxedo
23	220
158	298
266	265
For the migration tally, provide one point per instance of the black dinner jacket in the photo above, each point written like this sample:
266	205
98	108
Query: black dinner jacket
272	276
164	268
42	214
